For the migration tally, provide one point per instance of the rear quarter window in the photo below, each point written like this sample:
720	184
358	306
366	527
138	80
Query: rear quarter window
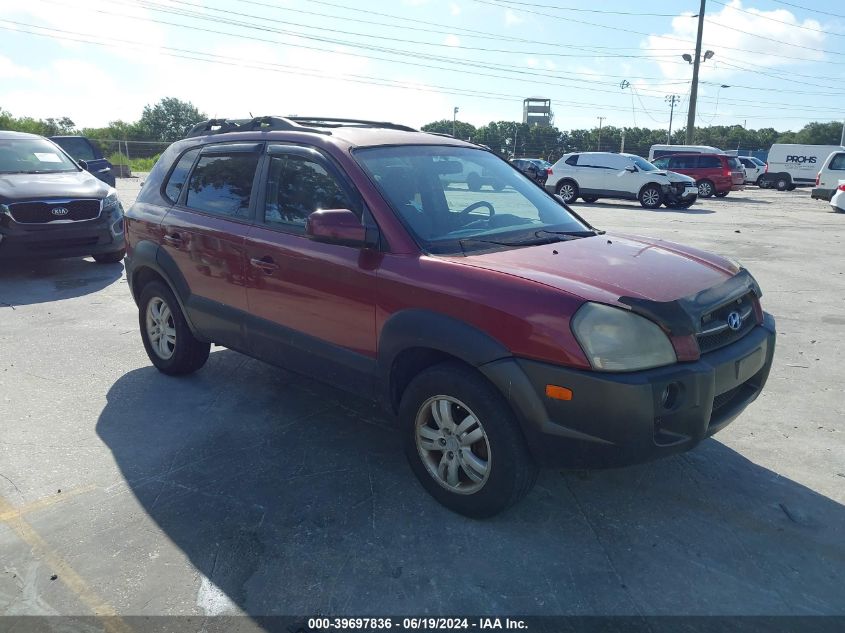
838	163
572	160
709	162
177	178
221	184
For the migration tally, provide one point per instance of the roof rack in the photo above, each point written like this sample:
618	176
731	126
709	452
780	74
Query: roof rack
260	124
335	122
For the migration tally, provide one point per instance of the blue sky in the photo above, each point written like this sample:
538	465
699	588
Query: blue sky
412	61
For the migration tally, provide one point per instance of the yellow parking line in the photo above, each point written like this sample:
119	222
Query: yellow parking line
46	502
73	581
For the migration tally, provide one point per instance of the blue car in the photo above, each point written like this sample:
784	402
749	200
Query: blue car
88	155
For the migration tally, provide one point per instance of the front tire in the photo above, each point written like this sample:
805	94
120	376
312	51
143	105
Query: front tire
169	342
110	258
568	190
651	197
705	189
463	441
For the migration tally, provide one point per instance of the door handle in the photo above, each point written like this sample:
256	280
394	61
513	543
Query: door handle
175	239
265	263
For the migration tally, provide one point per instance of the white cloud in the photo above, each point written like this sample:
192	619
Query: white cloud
452	40
720	37
512	19
11	70
454	9
532	62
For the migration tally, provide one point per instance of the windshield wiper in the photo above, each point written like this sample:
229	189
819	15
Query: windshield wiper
573	234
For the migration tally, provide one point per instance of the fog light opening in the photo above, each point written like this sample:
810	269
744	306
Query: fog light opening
670	395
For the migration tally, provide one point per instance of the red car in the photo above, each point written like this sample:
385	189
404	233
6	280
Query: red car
715	174
503	331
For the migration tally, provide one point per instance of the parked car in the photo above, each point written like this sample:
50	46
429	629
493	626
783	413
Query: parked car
831	172
50	207
754	168
792	165
503	331
594	175
535	168
88	155
658	151
837	200
715	174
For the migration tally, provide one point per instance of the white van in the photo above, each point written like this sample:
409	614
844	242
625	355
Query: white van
656	151
792	165
830	176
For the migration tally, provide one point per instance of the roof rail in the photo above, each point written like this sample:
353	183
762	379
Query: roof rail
335	122
260	124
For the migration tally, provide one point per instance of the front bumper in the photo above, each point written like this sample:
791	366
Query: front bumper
675	194
621	419
54	240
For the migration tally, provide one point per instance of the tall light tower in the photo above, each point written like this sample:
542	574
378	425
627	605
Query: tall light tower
454	119
672	100
601	119
693	94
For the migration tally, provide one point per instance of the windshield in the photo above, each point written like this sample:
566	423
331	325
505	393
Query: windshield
77	147
32	156
642	164
456	199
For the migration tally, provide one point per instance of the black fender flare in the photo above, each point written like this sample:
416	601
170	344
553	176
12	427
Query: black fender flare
148	254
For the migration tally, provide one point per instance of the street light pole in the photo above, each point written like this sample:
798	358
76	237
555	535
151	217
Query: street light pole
672	100
454	119
600	118
693	95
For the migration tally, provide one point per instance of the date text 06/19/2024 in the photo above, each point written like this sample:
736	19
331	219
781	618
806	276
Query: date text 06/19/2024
415	624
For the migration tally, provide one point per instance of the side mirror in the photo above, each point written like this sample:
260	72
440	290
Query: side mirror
632	168
83	164
339	226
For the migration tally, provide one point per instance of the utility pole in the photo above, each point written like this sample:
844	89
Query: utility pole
842	139
600	118
672	100
622	146
454	119
693	94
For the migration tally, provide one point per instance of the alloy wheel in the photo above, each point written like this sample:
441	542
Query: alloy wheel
452	444
161	328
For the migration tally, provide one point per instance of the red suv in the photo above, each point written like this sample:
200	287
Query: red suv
503	331
715	174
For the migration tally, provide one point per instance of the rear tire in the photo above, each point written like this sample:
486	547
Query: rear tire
463	441
781	184
110	258
568	190
651	197
705	189
169	342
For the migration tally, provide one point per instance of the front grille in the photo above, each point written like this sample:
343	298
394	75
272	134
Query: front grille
714	330
41	212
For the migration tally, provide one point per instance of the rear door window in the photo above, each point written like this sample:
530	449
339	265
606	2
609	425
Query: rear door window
221	183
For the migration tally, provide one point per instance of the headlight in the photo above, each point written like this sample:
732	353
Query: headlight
111	202
618	340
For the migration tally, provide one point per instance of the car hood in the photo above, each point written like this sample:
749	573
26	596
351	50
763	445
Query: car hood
676	177
606	267
81	184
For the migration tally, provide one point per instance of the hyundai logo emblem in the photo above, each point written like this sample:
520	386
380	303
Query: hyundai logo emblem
59	211
734	320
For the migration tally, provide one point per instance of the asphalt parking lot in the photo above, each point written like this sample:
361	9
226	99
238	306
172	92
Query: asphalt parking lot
246	489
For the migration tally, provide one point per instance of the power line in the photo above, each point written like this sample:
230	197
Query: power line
602	11
771	19
772	39
789	4
669	37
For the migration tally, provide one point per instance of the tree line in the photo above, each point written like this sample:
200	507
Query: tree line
170	118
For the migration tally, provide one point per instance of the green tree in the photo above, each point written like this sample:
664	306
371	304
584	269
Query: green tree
444	126
169	119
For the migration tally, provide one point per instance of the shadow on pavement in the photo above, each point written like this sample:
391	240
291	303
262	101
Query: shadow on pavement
693	210
27	282
293	498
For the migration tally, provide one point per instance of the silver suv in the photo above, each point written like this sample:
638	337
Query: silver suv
594	175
